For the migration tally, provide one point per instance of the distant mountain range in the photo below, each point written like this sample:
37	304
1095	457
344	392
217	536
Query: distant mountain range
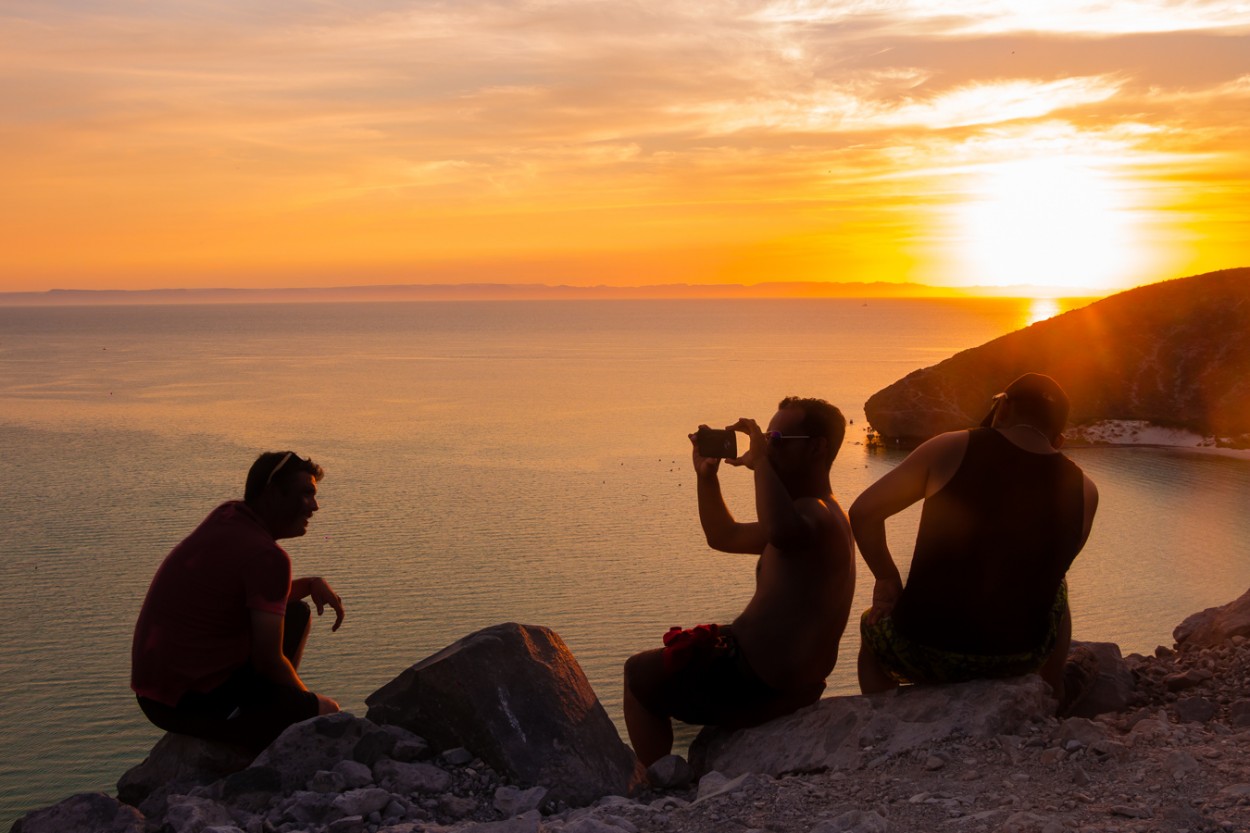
1174	354
505	292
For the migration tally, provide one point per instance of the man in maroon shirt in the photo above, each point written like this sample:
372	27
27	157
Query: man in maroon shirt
1004	515
222	629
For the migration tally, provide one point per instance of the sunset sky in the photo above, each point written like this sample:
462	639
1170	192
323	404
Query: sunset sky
269	144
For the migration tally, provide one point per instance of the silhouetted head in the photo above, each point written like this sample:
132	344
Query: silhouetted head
1033	399
281	488
818	420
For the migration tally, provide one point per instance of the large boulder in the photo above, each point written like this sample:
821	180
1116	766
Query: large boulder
1174	353
845	733
1215	624
514	696
82	813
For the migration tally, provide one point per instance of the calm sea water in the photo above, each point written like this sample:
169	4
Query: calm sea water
486	462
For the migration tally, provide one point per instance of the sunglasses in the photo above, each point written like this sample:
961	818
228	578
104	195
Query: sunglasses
995	401
278	467
777	436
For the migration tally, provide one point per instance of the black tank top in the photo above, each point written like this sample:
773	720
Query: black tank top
993	545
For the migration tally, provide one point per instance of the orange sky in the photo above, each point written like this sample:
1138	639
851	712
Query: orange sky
189	144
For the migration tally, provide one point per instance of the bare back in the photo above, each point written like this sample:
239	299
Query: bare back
792	626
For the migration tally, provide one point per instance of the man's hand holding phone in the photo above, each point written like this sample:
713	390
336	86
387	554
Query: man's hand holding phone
716	442
711	445
758	448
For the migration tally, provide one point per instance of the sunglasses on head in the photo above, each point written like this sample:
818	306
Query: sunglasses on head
278	467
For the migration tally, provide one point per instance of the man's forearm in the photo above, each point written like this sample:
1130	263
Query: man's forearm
300	588
714	515
870	537
780	519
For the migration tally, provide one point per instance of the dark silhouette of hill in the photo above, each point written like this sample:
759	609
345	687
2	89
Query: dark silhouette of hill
1175	354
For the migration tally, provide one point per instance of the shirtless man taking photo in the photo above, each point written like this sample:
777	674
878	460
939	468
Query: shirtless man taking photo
774	657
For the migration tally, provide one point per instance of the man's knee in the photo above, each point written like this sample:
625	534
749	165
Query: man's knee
643	674
298	615
634	671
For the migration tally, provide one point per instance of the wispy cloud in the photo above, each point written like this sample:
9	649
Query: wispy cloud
964	17
174	128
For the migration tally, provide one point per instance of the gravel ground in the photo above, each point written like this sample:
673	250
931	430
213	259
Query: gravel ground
1176	760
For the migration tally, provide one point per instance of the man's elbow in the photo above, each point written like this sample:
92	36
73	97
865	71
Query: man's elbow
858	516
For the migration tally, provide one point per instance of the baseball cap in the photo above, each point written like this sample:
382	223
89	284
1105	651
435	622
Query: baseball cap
1045	399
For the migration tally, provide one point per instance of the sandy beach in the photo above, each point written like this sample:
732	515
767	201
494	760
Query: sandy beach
1136	432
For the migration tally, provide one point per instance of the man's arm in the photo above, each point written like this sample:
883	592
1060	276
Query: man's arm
784	522
322	594
922	473
267	656
271	663
719	527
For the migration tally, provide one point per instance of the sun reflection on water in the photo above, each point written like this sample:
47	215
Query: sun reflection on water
1042	308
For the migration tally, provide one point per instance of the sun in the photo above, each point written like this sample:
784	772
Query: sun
1045	222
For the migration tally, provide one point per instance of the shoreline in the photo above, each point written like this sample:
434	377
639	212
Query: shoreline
1137	433
1111	434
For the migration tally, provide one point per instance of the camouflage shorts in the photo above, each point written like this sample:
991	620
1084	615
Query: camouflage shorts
909	661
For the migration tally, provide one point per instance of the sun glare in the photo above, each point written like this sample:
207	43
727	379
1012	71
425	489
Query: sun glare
1045	222
1041	309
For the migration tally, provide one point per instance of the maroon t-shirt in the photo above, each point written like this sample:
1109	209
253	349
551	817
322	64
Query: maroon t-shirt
195	627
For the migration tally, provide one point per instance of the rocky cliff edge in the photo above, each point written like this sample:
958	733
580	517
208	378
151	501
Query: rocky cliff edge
1174	354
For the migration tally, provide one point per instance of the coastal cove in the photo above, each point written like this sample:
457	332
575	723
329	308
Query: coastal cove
486	462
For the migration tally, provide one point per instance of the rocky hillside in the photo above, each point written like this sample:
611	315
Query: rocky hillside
1173	354
1165	747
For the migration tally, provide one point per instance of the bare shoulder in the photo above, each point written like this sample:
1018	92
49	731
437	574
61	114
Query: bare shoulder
946	452
934	449
922	473
828	518
826	509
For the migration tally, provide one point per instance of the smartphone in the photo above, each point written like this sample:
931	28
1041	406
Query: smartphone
714	442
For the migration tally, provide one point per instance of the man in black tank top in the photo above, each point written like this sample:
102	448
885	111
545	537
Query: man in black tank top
1004	515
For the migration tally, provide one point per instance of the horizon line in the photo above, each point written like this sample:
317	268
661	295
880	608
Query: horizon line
482	291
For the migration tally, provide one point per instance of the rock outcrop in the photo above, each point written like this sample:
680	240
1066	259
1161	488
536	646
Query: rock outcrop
1215	624
516	697
1174	354
849	732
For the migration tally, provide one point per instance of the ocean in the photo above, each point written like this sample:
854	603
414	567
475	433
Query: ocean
486	462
